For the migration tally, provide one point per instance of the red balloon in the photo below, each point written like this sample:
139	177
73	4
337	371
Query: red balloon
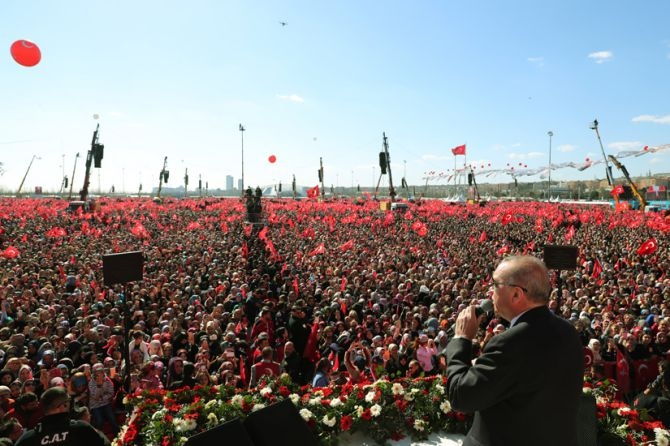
272	158
26	53
588	159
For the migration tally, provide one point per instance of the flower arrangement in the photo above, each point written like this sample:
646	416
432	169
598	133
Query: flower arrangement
618	423
383	410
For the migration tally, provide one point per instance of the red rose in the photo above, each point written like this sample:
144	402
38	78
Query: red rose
345	423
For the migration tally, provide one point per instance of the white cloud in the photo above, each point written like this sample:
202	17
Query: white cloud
431	157
657	161
601	56
523	156
625	145
652	118
290	97
537	61
566	148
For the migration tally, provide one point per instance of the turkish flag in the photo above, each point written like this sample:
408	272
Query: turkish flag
311	353
622	372
296	289
648	247
597	269
507	218
313	192
588	358
617	190
263	233
320	249
10	253
347	246
458	150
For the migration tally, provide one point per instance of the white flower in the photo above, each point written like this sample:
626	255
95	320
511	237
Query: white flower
212	419
212	403
265	391
236	400
439	389
623	411
376	410
257	406
419	425
445	406
369	397
415	390
397	389
158	414
662	437
359	410
306	414
381	380
587	390
409	397
335	402
182	425
314	401
329	421
295	398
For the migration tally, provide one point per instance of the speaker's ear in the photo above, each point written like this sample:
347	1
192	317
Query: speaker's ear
231	432
278	425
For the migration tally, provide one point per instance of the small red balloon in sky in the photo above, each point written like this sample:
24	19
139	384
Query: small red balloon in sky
26	53
272	158
588	159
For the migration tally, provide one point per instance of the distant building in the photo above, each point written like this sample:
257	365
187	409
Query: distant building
229	183
239	184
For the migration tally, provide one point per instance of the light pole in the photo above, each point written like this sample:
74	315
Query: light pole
550	133
18	193
72	177
608	169
62	181
242	129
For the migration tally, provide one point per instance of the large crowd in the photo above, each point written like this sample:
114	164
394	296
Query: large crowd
324	292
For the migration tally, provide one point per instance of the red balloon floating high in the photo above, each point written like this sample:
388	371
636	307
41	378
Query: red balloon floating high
272	158
26	53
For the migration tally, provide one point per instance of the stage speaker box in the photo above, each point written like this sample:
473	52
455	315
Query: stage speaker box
279	424
231	432
123	267
560	257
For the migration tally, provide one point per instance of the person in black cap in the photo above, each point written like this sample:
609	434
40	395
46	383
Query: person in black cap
56	428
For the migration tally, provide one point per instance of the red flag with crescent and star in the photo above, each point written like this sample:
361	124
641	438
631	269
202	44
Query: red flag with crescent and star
648	247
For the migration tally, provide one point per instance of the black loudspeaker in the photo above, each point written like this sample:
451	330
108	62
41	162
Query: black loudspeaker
382	162
627	193
279	424
123	267
470	179
587	434
231	432
560	256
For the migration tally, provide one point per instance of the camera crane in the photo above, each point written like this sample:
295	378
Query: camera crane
94	156
633	187
162	178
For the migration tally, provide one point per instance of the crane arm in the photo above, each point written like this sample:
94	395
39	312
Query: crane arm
633	187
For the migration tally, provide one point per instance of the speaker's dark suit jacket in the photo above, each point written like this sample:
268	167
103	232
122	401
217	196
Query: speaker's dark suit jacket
525	387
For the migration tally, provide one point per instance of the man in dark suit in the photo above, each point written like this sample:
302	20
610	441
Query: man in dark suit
525	387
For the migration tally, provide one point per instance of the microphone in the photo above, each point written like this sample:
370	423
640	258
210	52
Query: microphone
485	306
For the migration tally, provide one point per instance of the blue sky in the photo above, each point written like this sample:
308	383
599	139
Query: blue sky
175	79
